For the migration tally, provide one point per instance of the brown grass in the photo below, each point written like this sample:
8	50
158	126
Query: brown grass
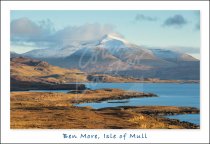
56	111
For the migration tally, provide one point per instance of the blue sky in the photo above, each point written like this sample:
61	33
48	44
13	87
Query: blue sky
177	30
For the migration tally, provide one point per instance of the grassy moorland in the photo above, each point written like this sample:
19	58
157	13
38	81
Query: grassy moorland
44	110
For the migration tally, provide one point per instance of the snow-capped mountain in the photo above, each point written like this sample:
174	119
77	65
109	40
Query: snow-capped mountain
97	59
131	53
115	45
113	53
51	52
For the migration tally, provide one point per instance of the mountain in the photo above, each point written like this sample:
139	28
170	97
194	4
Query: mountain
14	54
60	52
97	59
51	52
112	54
172	56
131	53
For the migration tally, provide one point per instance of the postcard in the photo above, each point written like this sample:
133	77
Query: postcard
114	75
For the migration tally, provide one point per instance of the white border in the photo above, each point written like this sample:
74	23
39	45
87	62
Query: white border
55	136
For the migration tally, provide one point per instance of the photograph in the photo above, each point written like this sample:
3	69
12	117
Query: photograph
105	69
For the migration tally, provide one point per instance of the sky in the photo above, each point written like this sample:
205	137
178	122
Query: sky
39	29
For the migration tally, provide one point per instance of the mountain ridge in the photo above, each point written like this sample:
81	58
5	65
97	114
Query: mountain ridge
113	54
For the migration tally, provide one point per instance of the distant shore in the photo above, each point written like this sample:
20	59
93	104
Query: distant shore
104	78
26	86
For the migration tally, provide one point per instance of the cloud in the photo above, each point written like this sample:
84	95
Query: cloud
43	34
176	21
85	32
141	17
24	29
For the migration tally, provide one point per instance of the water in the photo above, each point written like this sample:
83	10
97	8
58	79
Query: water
169	94
193	118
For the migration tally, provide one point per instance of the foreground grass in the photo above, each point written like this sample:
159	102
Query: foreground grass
40	110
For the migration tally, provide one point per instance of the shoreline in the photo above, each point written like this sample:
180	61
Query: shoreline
56	110
162	81
27	86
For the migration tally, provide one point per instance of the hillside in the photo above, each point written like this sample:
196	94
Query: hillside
27	69
35	71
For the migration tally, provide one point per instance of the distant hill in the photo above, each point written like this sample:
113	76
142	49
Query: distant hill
172	56
14	55
27	69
